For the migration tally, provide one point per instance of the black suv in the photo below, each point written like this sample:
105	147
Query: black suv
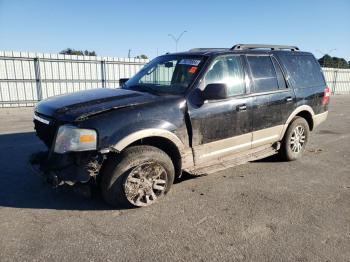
198	111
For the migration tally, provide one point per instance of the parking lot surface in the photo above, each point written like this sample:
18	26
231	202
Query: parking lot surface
261	211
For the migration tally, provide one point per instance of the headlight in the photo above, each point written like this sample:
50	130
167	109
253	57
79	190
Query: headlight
70	138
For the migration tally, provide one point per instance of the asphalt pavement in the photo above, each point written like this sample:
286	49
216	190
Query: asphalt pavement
265	210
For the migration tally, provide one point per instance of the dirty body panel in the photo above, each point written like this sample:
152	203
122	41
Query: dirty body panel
167	113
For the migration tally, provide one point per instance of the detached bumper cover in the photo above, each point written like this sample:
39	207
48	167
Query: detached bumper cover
58	169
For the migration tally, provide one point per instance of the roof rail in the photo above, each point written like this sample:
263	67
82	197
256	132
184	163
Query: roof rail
257	46
207	49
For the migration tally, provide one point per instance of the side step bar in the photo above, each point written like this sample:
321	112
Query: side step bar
235	160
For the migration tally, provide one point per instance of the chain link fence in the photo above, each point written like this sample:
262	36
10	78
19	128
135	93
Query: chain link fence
26	78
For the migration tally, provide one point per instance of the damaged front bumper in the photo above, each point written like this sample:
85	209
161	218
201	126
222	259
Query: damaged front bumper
61	169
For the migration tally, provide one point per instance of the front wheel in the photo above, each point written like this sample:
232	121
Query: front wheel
295	139
138	177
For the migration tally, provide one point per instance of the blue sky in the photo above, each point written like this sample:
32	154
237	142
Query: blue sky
111	28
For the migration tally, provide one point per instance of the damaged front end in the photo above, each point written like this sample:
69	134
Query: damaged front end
72	155
70	168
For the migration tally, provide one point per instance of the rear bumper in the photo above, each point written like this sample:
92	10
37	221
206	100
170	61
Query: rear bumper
58	170
319	118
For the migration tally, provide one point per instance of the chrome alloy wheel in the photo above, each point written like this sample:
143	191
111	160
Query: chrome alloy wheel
145	184
297	139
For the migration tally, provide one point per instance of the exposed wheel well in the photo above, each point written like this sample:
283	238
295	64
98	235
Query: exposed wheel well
167	146
308	117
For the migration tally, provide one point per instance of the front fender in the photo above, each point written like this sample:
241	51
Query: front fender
130	134
150	132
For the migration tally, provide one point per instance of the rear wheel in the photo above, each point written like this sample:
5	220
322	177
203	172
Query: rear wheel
139	176
295	139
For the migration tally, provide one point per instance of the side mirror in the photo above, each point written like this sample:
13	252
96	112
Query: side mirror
215	91
122	81
169	64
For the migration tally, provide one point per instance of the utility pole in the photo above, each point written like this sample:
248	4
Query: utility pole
176	39
129	53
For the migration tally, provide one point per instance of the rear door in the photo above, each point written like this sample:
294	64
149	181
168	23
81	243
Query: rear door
271	99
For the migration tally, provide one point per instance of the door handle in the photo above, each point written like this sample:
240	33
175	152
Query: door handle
242	107
289	99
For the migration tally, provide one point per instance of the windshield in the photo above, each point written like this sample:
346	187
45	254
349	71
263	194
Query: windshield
171	74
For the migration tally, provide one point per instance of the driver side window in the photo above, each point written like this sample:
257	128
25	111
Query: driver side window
227	70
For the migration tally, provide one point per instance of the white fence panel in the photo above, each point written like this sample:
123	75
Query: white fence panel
26	78
338	80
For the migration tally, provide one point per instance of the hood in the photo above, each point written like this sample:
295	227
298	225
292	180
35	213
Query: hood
79	105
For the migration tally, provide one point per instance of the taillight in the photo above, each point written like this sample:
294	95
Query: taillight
326	94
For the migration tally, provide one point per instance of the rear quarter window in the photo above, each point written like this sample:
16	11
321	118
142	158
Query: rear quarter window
304	71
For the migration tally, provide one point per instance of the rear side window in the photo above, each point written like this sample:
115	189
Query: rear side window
303	70
263	72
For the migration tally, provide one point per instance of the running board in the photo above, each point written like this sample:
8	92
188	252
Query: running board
236	159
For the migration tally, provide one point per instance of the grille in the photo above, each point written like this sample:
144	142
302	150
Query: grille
45	132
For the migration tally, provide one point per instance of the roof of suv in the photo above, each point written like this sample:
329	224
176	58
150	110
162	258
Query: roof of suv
245	48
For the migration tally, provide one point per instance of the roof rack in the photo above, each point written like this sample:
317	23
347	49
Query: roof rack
207	49
257	46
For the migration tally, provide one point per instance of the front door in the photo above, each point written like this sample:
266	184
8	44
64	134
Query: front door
222	127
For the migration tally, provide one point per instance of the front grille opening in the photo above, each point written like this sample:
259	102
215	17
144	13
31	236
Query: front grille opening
45	132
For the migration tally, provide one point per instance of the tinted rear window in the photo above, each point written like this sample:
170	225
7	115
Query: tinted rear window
263	72
304	71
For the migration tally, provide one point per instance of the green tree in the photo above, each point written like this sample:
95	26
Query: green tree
335	62
141	56
71	51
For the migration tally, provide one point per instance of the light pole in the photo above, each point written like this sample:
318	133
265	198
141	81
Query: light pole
177	39
324	54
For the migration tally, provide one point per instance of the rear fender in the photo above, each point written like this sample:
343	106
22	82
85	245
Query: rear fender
293	114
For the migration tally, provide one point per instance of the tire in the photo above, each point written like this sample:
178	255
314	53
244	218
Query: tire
129	178
295	139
